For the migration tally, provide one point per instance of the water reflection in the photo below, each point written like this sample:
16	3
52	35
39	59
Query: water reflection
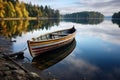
95	57
42	24
85	21
50	58
12	29
80	69
107	31
116	21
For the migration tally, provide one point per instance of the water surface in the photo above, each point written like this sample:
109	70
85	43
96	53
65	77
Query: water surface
96	55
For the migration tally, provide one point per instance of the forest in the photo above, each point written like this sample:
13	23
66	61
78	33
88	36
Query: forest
116	15
84	15
116	18
17	9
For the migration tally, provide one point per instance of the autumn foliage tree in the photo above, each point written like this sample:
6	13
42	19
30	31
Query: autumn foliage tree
16	9
2	11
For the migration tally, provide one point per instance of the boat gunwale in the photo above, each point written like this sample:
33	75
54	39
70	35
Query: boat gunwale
51	44
52	39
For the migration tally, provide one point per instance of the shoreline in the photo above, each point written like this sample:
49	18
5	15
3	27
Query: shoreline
28	18
9	68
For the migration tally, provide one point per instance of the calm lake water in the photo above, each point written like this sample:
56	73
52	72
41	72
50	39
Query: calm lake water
94	55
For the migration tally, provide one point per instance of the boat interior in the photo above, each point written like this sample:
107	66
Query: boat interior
54	35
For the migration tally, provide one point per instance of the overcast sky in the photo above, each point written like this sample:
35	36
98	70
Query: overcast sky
106	7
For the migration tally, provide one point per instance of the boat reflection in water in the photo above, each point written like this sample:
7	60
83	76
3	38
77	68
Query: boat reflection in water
50	58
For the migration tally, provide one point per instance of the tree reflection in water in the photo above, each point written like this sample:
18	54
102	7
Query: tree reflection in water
116	21
85	21
12	29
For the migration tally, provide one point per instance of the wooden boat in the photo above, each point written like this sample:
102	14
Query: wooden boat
50	58
50	41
